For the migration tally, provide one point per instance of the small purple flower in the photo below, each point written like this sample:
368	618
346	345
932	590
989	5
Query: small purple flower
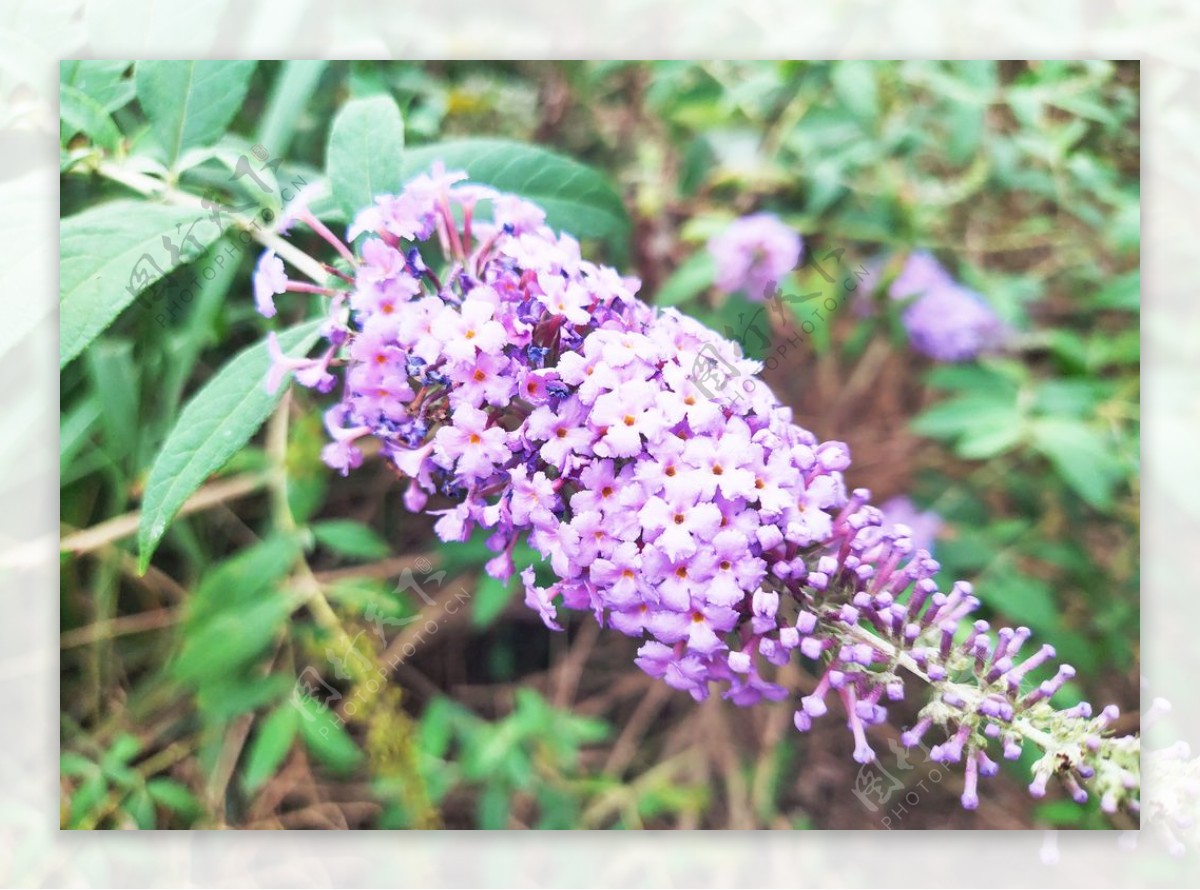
462	332
540	599
342	454
620	574
678	524
562	430
688	673
624	417
470	445
736	569
701	627
754	254
310	372
270	279
533	498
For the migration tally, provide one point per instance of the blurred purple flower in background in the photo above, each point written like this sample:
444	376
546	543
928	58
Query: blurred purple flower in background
946	321
753	254
924	525
921	274
952	324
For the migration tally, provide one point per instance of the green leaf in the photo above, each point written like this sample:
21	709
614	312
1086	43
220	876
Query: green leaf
110	253
231	640
577	199
75	429
958	416
1081	457
190	103
288	102
854	85
991	437
174	797
72	764
215	424
114	376
366	147
1067	397
81	113
441	718
270	746
140	807
124	748
494	807
326	737
1022	598
694	276
222	698
977	379
101	80
87	797
491	596
350	538
241	579
1123	292
1060	812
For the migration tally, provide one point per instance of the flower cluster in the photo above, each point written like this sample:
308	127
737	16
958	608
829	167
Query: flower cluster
527	391
753	254
945	320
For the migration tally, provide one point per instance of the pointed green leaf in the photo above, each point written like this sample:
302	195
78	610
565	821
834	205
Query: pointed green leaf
694	276
326	737
102	80
238	581
174	796
1082	457
220	647
270	746
366	145
577	199
215	424
112	252
350	538
294	86
190	103
80	113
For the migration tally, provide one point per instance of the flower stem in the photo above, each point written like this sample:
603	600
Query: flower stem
156	188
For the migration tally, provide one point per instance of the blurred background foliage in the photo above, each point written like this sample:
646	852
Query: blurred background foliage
214	690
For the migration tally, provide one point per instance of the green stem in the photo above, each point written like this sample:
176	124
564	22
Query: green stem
281	511
156	188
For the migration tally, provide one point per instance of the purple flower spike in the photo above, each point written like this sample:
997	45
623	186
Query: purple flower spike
534	391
